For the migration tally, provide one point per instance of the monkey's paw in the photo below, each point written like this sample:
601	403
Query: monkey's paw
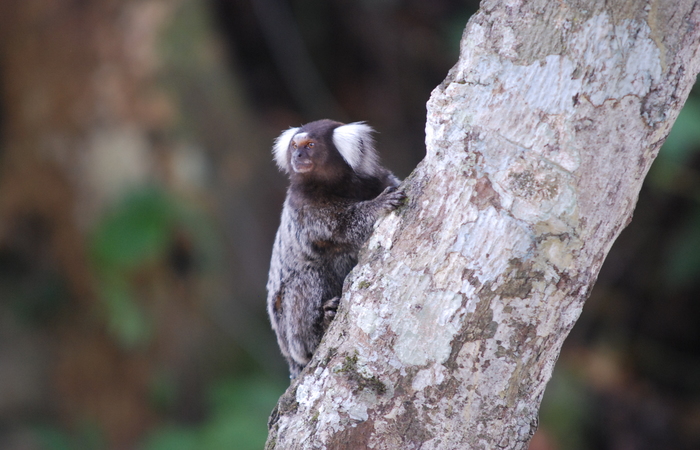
330	307
392	197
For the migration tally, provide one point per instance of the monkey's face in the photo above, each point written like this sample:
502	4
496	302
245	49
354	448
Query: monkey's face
326	151
305	153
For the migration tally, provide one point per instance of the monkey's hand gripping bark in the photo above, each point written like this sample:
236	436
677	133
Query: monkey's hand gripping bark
391	198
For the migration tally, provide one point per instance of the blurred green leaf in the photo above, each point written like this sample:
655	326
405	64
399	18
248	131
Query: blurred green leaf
87	436
671	171
90	436
239	410
185	43
239	431
141	231
173	437
127	322
565	409
137	231
164	391
684	139
51	438
235	395
683	261
663	174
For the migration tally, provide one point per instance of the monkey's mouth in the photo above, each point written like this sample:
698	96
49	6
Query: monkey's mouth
302	166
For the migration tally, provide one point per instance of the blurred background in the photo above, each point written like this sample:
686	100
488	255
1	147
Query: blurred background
138	203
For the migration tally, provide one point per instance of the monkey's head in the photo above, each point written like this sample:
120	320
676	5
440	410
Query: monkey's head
325	149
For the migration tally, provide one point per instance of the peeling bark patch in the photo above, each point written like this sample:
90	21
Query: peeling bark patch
486	262
436	322
484	195
366	318
514	383
480	324
522	334
353	438
428	377
384	232
560	251
411	428
519	280
307	392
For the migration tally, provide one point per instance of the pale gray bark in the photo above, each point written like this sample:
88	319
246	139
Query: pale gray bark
537	145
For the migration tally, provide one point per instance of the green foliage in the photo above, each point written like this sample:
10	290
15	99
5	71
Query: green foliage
164	391
136	235
138	232
53	439
683	261
565	409
171	437
239	409
684	140
185	44
86	437
669	171
672	173
127	322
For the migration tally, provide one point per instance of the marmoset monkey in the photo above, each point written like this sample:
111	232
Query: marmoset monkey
337	191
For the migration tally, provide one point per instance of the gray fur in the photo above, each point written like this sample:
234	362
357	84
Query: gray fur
324	223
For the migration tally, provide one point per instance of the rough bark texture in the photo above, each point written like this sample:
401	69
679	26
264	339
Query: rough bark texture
537	145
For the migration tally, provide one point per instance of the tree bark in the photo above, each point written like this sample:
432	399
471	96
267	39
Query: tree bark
537	145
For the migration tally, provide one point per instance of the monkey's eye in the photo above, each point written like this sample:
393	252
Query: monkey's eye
310	144
294	144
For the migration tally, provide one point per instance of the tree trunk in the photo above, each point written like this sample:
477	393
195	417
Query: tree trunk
537	145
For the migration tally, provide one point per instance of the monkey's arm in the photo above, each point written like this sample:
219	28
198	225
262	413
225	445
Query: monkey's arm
356	222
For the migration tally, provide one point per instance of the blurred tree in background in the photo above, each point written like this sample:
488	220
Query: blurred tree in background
138	202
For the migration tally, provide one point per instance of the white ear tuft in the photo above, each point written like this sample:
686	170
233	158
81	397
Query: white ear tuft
355	143
279	150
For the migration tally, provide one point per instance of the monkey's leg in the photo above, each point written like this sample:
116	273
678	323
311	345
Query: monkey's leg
330	307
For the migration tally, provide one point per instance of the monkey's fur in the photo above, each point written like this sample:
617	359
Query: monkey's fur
337	191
